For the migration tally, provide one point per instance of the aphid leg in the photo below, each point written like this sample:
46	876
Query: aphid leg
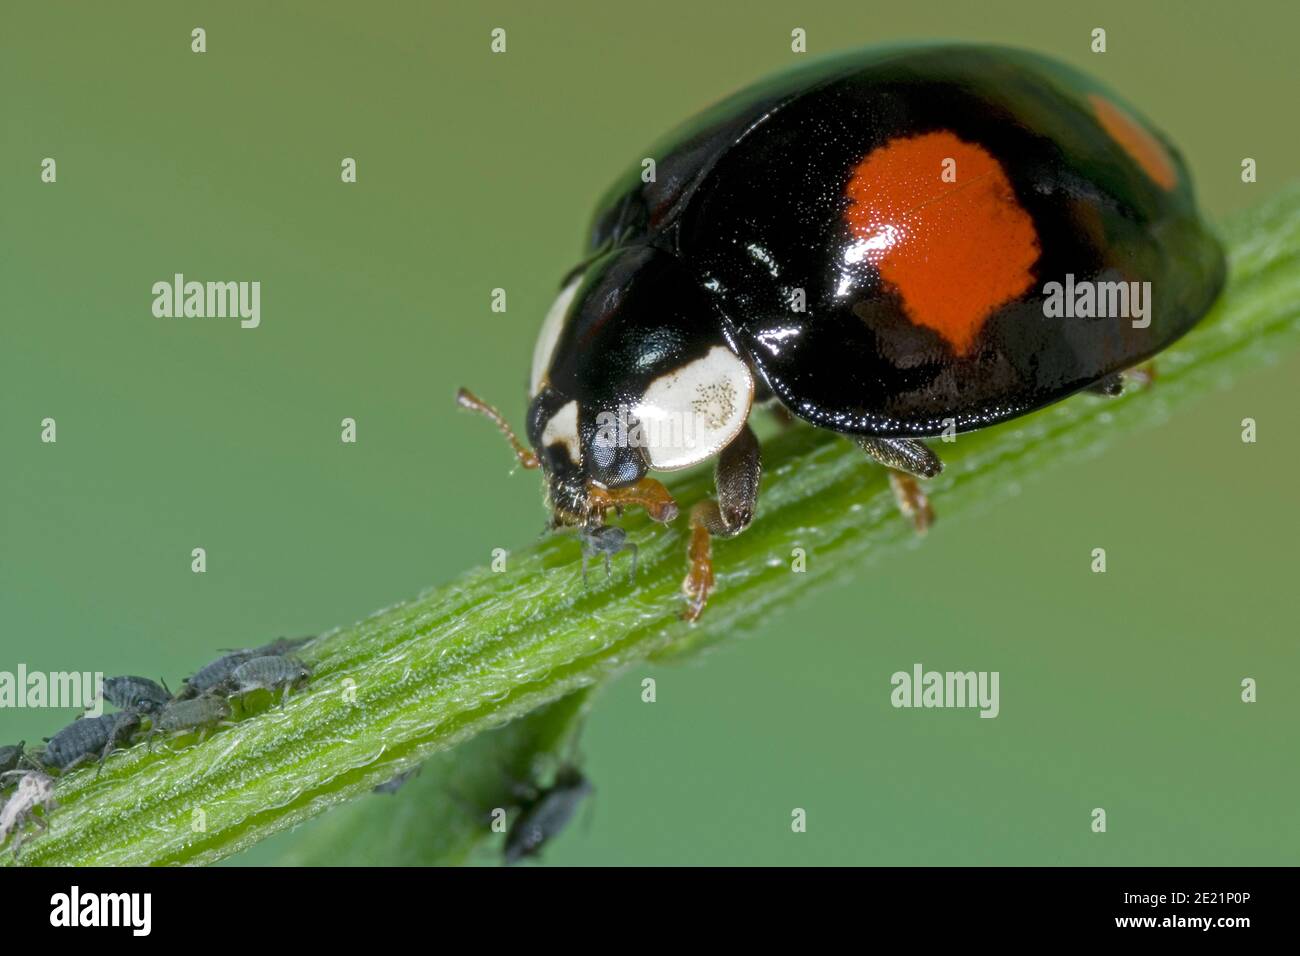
466	399
112	745
907	460
585	558
631	546
736	478
606	557
75	764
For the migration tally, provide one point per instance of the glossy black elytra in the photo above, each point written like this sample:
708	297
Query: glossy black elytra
892	244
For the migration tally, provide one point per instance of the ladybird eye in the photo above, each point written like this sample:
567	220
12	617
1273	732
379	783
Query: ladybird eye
604	449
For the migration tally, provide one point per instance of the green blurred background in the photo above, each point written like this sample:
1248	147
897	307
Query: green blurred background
478	171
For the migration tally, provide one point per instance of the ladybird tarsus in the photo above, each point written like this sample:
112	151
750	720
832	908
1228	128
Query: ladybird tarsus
1112	386
1115	384
907	460
699	579
912	500
737	476
650	494
1141	375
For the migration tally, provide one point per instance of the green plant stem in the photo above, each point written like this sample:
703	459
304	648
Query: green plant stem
427	675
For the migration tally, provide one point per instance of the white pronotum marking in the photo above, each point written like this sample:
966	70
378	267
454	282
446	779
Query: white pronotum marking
549	334
692	413
562	429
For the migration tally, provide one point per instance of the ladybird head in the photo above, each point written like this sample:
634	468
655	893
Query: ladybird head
632	371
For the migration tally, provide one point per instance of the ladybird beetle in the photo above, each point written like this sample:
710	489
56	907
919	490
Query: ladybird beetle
892	244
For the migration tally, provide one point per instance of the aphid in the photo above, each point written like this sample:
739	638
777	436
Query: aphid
606	540
545	814
185	716
268	673
396	783
894	244
210	676
11	756
136	693
35	789
87	738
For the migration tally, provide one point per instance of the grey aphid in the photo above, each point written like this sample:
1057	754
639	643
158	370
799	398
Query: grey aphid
210	676
392	786
183	716
269	673
545	814
35	789
606	541
136	693
11	756
88	738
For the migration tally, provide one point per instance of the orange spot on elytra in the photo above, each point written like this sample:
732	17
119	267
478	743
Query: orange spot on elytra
953	251
1135	140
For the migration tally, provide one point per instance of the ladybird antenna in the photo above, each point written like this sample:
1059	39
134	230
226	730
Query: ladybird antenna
467	399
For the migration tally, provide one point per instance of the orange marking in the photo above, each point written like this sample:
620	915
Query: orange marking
1136	140
953	251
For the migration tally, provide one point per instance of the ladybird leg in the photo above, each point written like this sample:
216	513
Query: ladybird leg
912	501
1110	386
648	493
737	475
1139	376
907	460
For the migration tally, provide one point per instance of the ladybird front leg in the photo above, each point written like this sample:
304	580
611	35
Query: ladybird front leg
907	460
648	493
737	475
